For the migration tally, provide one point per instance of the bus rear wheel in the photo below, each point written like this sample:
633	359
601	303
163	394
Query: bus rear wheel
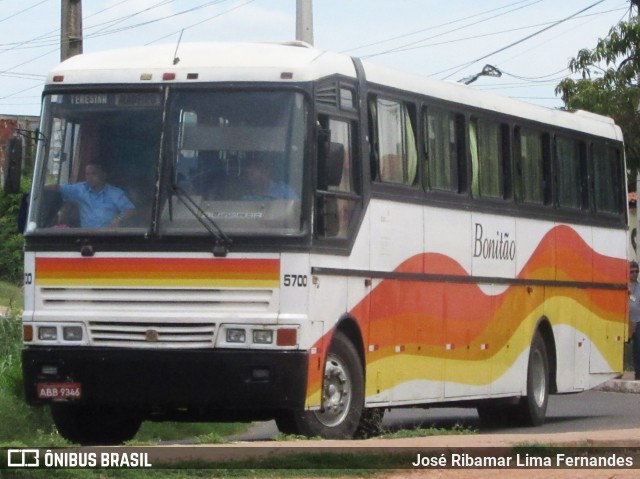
342	397
532	409
93	425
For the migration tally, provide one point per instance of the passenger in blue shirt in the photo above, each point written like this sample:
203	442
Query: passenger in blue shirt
263	187
99	203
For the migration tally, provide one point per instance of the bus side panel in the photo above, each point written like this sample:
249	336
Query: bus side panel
610	307
396	322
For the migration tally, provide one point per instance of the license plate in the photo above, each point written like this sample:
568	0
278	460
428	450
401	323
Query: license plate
59	390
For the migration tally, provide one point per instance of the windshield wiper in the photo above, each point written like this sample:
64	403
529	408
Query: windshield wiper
222	241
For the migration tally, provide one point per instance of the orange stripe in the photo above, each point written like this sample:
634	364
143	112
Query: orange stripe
126	269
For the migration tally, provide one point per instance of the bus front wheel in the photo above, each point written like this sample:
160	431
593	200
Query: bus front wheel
342	397
87	425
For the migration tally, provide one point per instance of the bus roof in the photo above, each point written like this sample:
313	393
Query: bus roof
293	62
211	61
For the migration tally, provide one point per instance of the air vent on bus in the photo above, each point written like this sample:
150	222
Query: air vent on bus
164	300
328	95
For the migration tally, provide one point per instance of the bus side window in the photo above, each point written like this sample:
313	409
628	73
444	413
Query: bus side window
530	159
442	150
394	152
606	168
338	200
568	172
487	152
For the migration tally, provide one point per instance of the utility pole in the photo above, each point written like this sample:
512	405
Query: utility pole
304	21
70	29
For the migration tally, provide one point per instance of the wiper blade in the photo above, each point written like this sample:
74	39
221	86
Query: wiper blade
222	241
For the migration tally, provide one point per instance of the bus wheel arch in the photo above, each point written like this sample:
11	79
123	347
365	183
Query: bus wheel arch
371	418
342	396
348	326
342	414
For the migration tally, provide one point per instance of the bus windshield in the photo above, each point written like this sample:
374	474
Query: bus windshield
97	163
238	156
234	158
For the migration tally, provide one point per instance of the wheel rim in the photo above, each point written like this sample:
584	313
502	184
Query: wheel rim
538	378
336	395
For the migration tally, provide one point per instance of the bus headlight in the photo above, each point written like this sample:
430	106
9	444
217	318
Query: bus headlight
236	336
263	336
47	333
72	333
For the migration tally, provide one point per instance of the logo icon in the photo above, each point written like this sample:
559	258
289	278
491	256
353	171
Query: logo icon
23	458
151	335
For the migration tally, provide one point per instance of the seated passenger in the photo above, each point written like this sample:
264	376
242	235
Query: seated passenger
262	186
100	204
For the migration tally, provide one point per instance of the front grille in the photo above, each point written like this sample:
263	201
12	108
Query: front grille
152	334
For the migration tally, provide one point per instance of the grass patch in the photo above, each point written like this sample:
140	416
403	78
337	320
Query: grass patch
11	296
189	433
457	429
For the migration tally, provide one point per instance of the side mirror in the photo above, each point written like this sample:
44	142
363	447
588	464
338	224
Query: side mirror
13	166
330	161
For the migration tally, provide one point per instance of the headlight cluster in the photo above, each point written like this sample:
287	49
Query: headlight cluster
281	337
53	333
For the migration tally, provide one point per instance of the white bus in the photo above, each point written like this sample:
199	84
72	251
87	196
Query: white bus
295	234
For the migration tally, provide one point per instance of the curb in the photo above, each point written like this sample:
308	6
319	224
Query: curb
620	386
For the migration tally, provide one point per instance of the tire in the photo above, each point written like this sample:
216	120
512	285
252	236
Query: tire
90	426
532	409
342	397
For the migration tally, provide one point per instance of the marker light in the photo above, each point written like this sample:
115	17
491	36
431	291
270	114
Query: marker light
27	333
236	336
287	337
47	333
146	76
169	76
58	78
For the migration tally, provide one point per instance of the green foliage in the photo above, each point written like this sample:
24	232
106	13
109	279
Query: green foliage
11	297
11	251
609	84
21	424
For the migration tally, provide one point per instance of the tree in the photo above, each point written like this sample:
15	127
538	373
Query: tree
609	84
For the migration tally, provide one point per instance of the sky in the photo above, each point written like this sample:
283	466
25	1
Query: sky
529	41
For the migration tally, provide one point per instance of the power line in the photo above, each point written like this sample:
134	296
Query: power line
517	42
433	27
22	11
7	71
500	32
201	22
401	47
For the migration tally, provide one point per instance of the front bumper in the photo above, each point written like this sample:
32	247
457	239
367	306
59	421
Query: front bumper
232	380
